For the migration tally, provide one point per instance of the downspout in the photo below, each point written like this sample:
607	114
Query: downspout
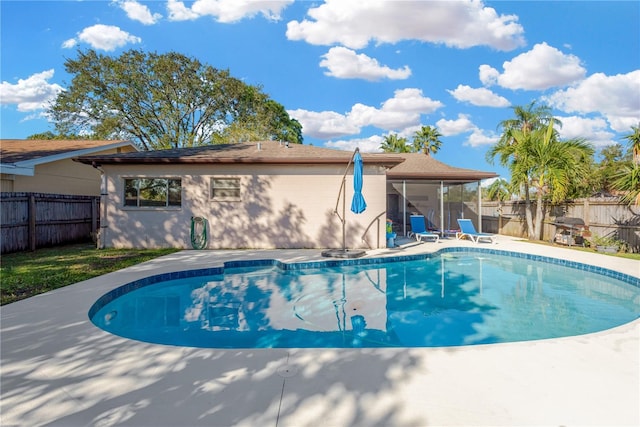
100	240
442	207
404	207
479	208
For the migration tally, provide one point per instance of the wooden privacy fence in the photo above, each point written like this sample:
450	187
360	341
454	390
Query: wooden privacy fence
33	220
603	216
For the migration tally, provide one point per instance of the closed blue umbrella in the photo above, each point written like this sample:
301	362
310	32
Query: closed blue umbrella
358	205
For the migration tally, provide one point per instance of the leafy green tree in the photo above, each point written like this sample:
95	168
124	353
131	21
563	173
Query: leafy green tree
394	144
612	159
48	135
280	126
427	139
164	101
270	121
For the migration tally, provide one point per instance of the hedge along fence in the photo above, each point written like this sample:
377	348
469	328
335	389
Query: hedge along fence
33	220
603	216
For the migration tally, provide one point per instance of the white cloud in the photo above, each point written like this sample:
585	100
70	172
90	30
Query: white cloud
411	100
366	145
397	113
104	37
387	119
324	124
179	12
593	130
344	63
409	131
139	12
69	44
32	93
227	11
488	75
615	97
481	97
480	137
454	127
540	68
460	24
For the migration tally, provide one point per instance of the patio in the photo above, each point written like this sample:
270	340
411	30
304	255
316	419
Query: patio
59	369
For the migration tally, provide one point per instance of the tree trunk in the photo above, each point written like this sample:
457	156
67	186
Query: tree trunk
538	226
528	213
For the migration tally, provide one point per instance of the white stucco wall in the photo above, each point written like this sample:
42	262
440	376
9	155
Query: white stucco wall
282	207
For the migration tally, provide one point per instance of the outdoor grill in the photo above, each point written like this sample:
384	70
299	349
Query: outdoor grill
570	231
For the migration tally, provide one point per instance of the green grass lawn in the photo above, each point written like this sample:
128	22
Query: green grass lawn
25	274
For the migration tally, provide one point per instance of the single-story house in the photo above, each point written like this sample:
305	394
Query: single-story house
45	166
267	194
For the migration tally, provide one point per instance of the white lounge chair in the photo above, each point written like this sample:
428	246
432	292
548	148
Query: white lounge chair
467	229
419	230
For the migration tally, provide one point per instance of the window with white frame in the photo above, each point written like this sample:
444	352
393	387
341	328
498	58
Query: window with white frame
225	189
153	192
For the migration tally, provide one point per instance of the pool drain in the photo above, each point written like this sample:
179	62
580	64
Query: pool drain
287	371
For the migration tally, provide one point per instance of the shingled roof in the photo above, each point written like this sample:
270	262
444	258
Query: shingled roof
22	150
421	166
264	152
401	165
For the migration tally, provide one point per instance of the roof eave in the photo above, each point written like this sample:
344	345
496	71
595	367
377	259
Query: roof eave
72	154
464	176
96	160
16	169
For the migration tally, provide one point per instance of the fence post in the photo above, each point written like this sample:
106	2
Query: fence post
586	212
32	222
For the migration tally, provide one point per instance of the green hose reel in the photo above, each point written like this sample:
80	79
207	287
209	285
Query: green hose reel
199	236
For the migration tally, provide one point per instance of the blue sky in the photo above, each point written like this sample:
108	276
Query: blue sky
354	71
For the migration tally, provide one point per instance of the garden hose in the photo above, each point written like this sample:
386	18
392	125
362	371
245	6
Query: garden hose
198	232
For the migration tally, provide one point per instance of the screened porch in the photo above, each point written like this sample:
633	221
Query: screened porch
440	202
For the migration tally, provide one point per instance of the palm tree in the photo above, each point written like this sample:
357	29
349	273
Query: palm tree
427	139
627	180
634	142
527	119
498	190
612	157
395	144
550	166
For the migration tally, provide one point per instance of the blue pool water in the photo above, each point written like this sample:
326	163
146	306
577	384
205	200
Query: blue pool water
449	299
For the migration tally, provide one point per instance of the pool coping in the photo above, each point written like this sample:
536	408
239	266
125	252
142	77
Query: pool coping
59	369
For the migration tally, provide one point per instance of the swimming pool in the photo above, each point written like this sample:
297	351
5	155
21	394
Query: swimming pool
458	296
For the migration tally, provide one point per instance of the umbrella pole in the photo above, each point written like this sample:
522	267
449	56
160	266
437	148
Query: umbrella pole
343	190
343	219
344	211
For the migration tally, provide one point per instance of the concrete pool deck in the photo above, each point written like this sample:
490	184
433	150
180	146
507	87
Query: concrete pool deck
58	369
